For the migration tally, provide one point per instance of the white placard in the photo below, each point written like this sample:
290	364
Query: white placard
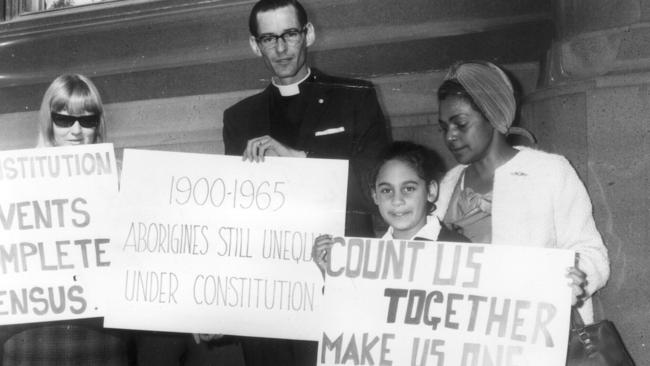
428	303
213	244
55	212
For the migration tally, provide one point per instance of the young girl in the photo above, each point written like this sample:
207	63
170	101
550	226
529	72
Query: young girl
405	189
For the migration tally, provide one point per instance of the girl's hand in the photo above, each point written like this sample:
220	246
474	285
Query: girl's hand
320	252
578	282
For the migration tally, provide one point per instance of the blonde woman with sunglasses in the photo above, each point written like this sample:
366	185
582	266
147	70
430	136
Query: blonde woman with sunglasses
71	114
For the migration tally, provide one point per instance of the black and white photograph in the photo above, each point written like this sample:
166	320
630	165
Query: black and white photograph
323	183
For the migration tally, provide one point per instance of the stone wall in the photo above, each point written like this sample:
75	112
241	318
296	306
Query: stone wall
593	105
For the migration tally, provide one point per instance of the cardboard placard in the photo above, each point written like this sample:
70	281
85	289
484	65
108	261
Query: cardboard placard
213	244
55	213
392	302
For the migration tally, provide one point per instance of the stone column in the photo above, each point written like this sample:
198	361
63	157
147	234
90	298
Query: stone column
593	105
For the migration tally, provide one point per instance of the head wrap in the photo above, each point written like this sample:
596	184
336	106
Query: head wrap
490	90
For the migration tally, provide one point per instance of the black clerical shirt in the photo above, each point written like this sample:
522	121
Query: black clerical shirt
286	115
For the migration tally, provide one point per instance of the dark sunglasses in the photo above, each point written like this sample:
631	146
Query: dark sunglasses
64	120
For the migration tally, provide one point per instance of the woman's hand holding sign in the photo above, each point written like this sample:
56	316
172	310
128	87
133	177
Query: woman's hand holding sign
578	282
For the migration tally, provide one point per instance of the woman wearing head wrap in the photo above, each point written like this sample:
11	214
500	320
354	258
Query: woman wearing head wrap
512	195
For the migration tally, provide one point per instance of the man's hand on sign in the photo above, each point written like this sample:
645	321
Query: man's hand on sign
578	282
320	252
259	147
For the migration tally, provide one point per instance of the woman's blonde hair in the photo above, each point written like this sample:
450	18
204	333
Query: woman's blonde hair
72	93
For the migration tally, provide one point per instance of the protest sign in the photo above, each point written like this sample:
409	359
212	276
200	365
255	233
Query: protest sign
392	302
214	244
55	206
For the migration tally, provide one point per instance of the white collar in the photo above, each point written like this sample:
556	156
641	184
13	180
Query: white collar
429	231
290	89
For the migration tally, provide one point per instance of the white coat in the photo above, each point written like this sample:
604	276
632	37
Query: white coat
539	201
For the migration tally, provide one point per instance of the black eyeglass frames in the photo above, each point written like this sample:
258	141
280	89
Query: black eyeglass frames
290	36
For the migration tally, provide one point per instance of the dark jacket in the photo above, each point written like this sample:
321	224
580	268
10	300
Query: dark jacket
332	103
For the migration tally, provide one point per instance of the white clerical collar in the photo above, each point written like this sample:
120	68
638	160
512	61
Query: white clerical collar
290	89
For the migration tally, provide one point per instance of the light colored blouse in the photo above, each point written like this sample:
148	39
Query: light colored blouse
470	213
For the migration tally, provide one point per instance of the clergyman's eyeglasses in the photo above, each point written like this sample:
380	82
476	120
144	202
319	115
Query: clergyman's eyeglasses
65	121
291	36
